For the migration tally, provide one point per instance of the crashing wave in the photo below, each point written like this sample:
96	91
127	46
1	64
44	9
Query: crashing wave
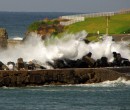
71	46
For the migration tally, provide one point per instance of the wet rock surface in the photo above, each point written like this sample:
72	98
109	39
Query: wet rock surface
3	38
57	77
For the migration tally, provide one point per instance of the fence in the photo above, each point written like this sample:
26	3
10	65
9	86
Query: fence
72	19
123	11
81	17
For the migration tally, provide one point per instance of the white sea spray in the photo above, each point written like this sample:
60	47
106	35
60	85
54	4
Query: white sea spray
70	46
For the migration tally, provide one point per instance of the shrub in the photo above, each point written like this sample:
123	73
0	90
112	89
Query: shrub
34	26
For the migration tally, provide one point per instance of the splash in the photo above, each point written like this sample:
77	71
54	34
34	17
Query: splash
70	46
119	82
17	38
107	46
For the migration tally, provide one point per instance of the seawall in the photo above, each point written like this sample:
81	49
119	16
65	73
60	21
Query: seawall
57	77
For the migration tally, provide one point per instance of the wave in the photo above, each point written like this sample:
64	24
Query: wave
55	48
17	38
119	82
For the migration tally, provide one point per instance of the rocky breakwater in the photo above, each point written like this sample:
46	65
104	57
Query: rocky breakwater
57	77
3	38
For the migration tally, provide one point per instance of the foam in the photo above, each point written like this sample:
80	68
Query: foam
17	38
119	82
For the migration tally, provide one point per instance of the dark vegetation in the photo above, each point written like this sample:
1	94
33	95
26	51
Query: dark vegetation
46	27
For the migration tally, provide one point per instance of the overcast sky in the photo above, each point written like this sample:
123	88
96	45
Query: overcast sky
63	5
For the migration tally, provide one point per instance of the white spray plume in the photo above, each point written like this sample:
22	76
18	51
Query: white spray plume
69	46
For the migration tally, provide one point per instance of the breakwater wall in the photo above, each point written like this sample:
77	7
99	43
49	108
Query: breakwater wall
13	42
57	77
5	42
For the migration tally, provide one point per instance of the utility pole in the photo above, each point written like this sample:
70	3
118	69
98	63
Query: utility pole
107	24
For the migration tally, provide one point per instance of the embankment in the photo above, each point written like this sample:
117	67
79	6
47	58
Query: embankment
57	77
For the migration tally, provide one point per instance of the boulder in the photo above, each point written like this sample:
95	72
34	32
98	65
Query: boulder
3	38
20	64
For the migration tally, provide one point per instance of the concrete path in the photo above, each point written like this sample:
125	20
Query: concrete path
121	37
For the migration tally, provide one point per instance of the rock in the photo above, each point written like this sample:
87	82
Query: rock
45	28
3	38
90	61
20	64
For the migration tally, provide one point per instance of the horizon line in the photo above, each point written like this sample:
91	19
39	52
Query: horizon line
45	12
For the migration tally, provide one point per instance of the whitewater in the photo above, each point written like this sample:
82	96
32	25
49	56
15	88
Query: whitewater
70	46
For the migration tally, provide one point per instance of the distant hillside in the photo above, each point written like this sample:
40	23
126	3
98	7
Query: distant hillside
118	24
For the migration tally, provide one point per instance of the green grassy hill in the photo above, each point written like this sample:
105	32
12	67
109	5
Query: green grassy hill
118	24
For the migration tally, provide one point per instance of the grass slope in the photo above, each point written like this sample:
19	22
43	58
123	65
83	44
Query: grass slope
118	24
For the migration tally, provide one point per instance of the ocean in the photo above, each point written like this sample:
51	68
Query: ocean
109	95
16	23
113	95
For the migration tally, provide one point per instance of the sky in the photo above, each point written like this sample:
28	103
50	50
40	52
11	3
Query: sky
63	5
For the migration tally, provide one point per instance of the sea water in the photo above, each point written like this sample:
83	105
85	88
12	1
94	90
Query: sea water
108	95
16	23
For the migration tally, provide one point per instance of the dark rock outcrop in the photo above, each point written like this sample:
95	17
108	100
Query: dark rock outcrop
45	28
57	77
3	38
